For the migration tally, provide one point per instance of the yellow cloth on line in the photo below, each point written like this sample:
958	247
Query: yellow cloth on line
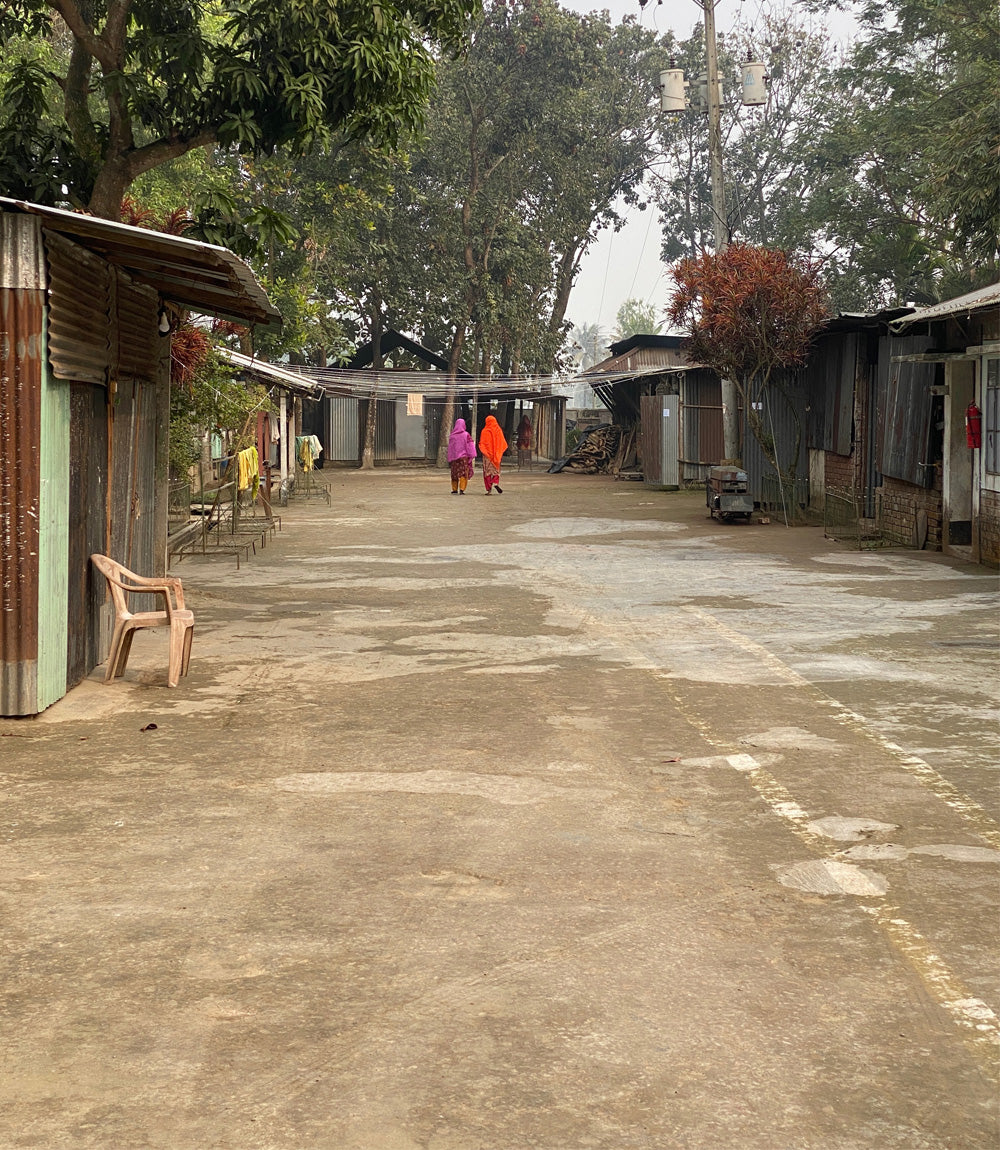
248	473
305	453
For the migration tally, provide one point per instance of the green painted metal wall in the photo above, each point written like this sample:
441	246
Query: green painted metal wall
53	533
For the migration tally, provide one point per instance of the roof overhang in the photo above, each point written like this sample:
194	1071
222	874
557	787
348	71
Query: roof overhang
201	277
963	305
271	375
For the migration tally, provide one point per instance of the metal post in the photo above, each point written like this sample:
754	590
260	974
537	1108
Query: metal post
730	398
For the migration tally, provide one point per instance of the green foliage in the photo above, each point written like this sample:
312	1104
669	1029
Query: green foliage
536	137
144	82
883	163
212	400
920	132
636	318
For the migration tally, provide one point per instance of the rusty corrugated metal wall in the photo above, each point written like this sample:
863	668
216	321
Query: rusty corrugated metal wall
134	336
650	439
829	379
22	307
88	495
80	447
80	296
904	410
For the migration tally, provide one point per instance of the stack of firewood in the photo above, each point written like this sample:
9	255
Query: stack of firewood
596	451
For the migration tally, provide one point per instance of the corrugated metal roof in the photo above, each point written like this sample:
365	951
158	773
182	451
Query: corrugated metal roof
272	375
205	278
641	361
963	305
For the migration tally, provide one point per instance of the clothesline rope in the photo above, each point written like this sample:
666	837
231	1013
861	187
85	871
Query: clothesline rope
399	384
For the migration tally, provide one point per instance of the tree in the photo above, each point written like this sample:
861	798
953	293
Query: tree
771	165
588	345
751	314
636	318
881	162
912	156
142	84
534	137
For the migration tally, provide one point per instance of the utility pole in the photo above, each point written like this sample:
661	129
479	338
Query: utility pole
730	399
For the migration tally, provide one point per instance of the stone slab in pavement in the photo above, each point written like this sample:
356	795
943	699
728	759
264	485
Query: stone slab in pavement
558	819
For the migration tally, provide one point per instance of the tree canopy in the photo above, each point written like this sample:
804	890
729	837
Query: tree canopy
883	161
101	91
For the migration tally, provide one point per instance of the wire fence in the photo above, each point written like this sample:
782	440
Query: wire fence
844	520
785	498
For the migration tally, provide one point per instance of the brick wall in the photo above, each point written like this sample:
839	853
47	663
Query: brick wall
989	527
838	473
899	503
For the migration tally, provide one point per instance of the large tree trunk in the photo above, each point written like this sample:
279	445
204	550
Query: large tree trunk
569	262
112	182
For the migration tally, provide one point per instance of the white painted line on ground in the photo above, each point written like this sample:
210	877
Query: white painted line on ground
978	818
978	1021
981	1025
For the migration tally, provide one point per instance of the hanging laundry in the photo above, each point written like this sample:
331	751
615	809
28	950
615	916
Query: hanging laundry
414	403
248	471
307	450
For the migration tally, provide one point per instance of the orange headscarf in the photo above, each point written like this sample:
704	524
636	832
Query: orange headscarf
491	441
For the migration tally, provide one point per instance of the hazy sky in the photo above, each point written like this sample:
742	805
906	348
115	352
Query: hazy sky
627	264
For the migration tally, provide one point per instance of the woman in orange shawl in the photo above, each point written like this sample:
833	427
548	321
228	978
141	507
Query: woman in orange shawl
492	445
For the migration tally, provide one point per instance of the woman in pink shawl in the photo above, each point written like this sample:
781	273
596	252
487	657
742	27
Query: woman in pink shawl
461	455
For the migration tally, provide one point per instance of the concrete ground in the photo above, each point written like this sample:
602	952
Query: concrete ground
559	819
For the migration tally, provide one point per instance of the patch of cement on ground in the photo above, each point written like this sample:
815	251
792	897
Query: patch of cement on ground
896	853
577	722
849	830
958	853
454	886
880	566
507	789
569	527
712	761
837	668
796	738
873	852
93	699
828	876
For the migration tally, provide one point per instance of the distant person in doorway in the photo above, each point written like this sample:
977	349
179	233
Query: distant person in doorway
461	457
524	434
492	445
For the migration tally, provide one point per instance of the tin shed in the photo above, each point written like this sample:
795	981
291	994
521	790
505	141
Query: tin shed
84	417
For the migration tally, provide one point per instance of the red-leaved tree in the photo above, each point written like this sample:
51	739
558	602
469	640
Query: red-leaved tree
751	313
